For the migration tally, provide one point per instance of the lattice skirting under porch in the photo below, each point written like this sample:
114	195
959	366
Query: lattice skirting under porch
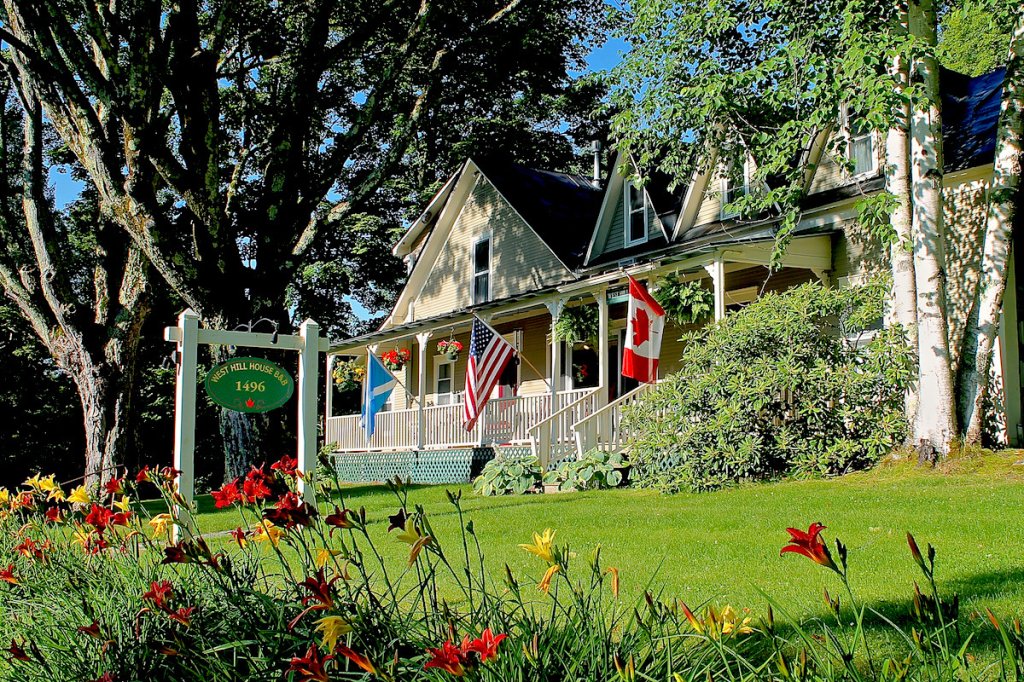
458	465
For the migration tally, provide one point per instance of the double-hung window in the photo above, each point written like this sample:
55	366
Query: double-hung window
636	215
482	271
862	144
735	185
444	382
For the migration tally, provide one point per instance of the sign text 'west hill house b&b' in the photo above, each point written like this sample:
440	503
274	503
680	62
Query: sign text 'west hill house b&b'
249	385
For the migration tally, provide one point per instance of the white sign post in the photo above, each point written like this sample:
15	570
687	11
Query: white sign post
188	337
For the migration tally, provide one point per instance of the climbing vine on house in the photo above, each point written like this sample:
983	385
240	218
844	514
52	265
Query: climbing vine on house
577	325
685	302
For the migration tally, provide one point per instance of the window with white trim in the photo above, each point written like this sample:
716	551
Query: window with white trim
735	185
482	271
444	381
636	219
861	151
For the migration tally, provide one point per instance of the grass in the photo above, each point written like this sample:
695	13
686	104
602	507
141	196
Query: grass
723	547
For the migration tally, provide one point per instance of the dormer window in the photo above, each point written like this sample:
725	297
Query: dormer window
861	150
636	215
482	271
735	185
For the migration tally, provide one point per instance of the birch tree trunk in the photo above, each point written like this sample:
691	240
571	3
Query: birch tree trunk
936	417
897	183
1003	194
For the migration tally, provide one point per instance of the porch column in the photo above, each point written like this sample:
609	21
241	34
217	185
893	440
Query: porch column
555	308
422	340
717	271
329	397
601	297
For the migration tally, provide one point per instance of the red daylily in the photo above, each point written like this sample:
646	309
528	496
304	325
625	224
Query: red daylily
17	652
143	474
448	658
175	554
100	517
310	668
360	660
54	515
114	486
288	466
227	495
397	520
7	575
290	512
183	615
159	593
255	487
91	630
339	519
320	591
33	550
485	646
810	545
239	535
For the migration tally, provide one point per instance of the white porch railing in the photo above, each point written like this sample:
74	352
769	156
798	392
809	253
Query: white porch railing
603	428
505	420
551	438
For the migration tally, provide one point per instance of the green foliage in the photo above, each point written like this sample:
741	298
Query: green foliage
788	385
685	302
873	215
596	470
576	325
508	476
974	36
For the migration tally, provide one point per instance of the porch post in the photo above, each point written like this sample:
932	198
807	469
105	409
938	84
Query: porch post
555	308
329	397
422	339
717	271
601	296
185	406
306	423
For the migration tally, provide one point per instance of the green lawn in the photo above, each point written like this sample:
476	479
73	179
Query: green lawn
724	547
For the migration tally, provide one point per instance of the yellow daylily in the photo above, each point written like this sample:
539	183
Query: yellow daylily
731	622
332	628
5	496
56	495
417	548
542	545
265	531
545	583
79	495
160	524
125	504
324	556
410	535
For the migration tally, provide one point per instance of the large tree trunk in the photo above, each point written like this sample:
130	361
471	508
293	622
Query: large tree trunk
897	183
936	417
241	434
976	361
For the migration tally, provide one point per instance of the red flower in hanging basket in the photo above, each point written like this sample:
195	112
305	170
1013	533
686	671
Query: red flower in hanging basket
449	347
396	359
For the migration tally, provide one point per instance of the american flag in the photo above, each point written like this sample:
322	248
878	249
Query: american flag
488	355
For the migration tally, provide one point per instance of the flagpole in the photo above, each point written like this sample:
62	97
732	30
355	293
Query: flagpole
522	357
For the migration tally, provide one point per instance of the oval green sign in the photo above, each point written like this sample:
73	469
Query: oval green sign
249	385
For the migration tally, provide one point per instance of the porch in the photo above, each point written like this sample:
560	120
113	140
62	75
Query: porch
545	403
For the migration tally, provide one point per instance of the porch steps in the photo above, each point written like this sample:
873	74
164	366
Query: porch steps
455	465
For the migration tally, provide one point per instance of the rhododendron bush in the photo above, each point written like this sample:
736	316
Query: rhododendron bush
97	587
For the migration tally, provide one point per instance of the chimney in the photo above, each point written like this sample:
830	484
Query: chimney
596	147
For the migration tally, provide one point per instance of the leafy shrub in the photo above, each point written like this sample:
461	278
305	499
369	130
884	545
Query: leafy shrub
594	471
508	476
788	385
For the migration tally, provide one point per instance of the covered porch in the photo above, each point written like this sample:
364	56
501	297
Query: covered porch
546	402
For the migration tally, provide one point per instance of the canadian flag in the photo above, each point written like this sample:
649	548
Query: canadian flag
644	329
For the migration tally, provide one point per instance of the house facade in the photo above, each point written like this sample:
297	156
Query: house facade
521	248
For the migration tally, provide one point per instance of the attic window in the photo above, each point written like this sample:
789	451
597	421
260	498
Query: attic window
862	144
636	215
735	185
482	271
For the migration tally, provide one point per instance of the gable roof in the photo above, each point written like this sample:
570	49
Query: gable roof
560	207
970	116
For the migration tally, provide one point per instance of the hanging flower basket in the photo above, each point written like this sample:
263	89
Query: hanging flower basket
450	349
348	375
580	372
396	359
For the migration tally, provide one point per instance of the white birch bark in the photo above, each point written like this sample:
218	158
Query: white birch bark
936	416
998	229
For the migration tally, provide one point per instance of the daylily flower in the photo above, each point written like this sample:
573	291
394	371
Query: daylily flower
265	531
7	575
320	592
809	544
80	495
124	504
287	466
114	486
360	660
397	520
310	668
159	593
160	524
32	549
54	515
448	658
92	630
290	511
615	580
410	535
545	583
331	629
239	535
255	487
183	615
56	495
485	646
339	519
417	548
143	475
227	495
542	546
324	556
175	554
17	652
43	485
5	496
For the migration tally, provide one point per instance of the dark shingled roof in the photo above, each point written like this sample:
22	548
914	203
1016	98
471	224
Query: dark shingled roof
970	113
561	208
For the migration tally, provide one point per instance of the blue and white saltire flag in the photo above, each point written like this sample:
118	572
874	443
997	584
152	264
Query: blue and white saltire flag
377	387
